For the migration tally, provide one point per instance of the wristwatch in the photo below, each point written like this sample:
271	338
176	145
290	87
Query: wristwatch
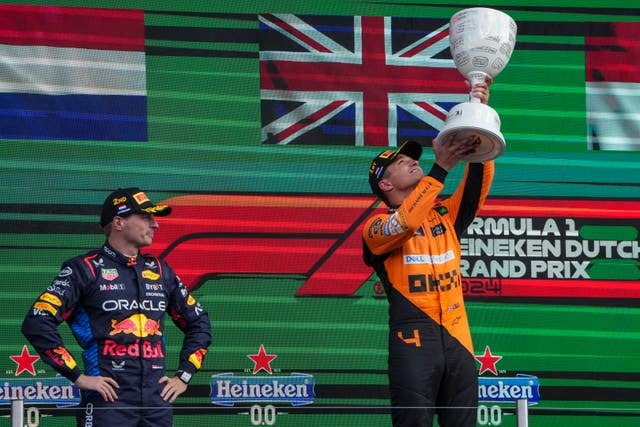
184	376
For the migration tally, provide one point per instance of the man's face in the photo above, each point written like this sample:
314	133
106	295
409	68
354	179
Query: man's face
138	229
404	173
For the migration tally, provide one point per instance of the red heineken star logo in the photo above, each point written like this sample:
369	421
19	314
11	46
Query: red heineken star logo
488	361
25	361
262	360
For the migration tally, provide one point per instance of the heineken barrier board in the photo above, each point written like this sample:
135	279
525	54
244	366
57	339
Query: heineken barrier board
257	121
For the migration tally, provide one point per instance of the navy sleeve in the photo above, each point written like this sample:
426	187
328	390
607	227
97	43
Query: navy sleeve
52	307
192	319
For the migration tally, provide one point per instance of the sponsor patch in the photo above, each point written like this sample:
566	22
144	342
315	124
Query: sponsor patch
137	324
112	287
139	348
51	298
109	273
45	306
441	210
375	227
429	259
197	357
155	209
67	271
148	274
61	355
393	225
438	230
98	263
117	366
119	200
140	198
109	251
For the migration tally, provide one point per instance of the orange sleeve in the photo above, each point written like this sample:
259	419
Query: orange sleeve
385	232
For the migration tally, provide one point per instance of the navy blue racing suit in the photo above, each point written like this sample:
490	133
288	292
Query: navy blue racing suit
115	306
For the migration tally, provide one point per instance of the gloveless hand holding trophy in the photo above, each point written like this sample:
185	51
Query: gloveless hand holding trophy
481	42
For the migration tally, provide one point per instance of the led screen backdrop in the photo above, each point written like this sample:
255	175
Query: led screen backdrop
257	121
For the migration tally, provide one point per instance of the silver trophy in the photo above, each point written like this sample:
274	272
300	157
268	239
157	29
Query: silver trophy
481	42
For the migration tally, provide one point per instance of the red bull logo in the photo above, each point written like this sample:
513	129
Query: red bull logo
151	327
144	349
64	356
196	358
138	324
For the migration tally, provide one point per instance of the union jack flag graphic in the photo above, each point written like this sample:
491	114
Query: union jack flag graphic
355	80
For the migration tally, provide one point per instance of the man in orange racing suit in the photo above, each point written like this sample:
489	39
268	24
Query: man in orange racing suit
415	251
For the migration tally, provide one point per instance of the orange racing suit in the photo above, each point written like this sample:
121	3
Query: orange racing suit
415	251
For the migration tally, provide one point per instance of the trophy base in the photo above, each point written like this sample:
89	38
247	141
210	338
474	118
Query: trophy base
490	147
473	119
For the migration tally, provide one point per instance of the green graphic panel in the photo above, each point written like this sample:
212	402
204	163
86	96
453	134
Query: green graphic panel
204	122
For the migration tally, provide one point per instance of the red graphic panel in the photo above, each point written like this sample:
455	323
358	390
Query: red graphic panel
319	237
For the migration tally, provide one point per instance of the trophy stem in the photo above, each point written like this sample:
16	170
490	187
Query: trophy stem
477	77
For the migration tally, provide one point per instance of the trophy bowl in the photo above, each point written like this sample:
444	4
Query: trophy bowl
481	42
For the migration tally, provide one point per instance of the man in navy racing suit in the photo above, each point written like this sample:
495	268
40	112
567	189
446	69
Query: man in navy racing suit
115	300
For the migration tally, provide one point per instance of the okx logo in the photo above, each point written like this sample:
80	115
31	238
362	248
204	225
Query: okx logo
295	388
